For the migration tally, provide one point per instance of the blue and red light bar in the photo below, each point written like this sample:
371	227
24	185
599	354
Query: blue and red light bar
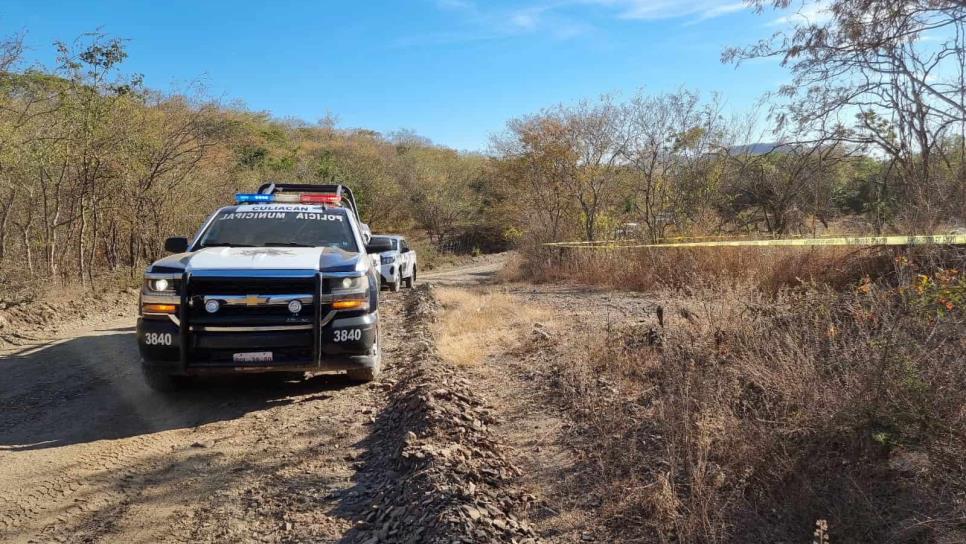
296	198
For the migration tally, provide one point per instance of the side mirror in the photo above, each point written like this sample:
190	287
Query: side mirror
176	245
366	233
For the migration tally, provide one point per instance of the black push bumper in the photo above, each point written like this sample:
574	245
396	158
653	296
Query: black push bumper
345	343
255	340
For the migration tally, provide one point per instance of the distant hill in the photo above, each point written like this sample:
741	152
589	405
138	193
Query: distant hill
754	149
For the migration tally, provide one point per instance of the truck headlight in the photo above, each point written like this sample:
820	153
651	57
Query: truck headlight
387	259
350	293
159	285
352	284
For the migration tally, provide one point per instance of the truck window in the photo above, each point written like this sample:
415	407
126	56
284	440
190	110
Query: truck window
262	226
378	244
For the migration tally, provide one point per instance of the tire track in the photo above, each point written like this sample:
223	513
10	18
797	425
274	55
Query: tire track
92	483
61	459
89	454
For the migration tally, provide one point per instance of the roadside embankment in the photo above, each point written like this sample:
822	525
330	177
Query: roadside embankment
433	470
27	321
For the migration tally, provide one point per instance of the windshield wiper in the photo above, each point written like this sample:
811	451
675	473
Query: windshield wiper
286	244
225	244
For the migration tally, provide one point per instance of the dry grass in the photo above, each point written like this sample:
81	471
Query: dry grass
760	412
514	268
770	269
475	324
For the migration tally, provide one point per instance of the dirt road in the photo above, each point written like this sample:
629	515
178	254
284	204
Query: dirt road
89	454
470	274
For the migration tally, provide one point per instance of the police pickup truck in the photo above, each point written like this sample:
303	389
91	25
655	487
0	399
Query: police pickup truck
397	261
280	283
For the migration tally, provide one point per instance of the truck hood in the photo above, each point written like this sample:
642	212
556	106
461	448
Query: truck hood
327	259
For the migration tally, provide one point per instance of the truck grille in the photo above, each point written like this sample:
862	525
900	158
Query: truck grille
249	286
243	324
255	314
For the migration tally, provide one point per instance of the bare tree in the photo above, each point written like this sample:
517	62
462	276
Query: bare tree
896	67
781	186
668	136
596	132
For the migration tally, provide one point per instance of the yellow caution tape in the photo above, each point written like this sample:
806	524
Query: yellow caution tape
678	239
933	239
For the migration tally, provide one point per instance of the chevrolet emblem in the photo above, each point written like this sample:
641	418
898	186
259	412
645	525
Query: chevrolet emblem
252	300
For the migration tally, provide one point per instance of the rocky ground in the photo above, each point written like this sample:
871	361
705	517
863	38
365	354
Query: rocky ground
433	469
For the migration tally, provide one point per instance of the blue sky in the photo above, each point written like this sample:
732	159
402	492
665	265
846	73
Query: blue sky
452	70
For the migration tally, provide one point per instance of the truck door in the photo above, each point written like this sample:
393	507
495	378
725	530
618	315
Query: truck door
406	263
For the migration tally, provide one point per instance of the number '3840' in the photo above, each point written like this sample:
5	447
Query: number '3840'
157	338
347	335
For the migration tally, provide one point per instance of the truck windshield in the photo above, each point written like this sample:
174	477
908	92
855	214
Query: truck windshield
378	244
275	228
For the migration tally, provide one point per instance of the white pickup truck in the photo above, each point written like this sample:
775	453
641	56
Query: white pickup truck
397	261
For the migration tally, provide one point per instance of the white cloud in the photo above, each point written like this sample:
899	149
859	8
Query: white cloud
526	19
557	18
481	21
724	9
670	9
454	5
815	13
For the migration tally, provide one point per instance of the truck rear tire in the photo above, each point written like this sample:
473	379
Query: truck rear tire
411	279
363	375
163	382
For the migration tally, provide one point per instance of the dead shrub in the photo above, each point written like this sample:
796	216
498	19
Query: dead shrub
768	269
758	414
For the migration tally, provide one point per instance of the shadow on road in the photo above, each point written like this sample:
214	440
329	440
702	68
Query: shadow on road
480	277
90	388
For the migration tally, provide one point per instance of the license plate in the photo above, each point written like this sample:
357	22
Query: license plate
253	357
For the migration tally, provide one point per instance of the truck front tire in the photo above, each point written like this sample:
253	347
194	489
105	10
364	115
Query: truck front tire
363	375
368	374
